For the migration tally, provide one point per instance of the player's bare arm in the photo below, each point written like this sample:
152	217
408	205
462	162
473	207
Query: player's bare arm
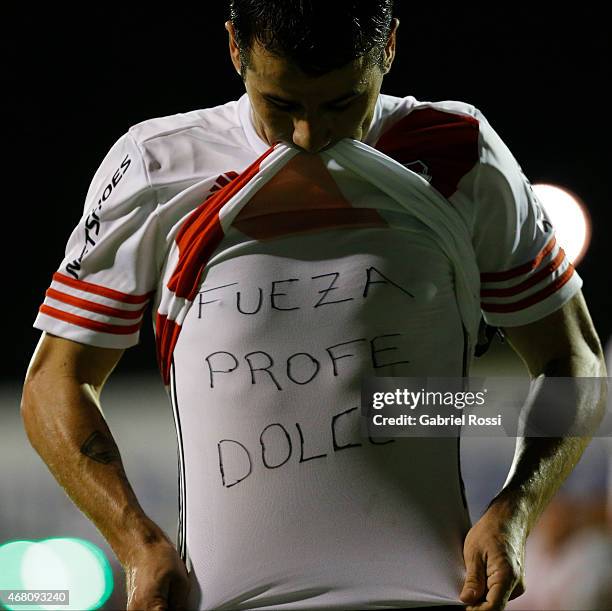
63	419
565	344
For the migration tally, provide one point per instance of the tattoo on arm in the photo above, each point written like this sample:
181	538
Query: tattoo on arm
101	448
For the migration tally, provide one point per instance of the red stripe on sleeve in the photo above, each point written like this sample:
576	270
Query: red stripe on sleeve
527	284
97	289
92	306
521	269
93	325
535	298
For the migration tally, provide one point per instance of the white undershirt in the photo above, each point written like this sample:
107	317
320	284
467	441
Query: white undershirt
280	513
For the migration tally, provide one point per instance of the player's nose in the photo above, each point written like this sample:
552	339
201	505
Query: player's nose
310	135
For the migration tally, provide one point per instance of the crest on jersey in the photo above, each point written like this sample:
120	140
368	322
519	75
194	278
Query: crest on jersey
418	167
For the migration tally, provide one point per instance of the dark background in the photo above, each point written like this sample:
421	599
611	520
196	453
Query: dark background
77	80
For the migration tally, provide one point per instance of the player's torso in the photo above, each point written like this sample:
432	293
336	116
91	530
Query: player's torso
283	502
280	485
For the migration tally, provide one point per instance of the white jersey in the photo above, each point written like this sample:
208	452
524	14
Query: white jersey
319	280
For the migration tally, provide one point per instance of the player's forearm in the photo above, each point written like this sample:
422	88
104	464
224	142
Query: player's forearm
64	424
541	464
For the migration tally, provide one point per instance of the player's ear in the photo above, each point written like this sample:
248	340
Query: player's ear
390	45
233	46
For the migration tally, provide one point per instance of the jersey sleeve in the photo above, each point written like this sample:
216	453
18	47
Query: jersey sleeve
525	274
100	291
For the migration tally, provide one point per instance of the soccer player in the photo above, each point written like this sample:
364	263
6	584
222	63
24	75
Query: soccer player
280	272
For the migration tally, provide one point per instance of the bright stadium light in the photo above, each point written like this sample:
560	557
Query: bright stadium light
69	564
569	217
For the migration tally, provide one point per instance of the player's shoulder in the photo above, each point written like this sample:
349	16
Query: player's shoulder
401	115
176	151
207	124
167	150
439	140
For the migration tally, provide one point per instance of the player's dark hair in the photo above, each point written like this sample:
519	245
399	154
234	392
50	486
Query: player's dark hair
315	35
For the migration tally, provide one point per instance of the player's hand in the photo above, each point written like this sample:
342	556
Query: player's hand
494	554
156	579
